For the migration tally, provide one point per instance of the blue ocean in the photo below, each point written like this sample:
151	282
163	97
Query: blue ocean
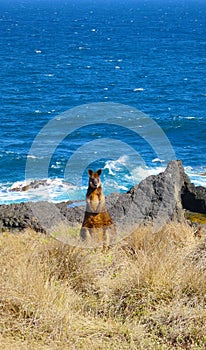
61	58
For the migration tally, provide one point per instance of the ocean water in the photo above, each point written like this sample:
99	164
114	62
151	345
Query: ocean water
63	56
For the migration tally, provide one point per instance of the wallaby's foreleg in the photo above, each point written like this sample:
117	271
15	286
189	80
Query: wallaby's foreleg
101	205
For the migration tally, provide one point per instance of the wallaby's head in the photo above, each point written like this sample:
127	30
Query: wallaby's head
94	178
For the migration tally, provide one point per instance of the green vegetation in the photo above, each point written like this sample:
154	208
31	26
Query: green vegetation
196	217
148	292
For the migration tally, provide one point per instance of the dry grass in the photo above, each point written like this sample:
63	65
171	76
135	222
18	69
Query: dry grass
147	293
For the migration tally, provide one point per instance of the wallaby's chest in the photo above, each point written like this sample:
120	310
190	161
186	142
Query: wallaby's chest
95	199
95	196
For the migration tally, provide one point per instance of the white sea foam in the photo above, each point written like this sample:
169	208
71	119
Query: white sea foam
57	165
10	152
17	184
196	175
31	156
52	190
158	160
115	165
141	172
138	89
113	186
83	48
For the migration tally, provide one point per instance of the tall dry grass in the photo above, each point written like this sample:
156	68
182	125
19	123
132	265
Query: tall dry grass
148	292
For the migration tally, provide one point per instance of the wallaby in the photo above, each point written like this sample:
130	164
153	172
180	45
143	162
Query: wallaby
98	227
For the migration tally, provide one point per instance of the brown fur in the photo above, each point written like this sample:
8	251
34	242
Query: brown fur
98	227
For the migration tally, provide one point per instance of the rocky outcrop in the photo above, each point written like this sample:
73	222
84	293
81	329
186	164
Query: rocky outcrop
194	198
32	185
40	216
156	200
18	216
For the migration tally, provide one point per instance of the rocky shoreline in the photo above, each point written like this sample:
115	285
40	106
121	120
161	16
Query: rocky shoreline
157	199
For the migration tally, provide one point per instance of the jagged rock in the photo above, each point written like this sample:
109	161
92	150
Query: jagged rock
157	200
32	185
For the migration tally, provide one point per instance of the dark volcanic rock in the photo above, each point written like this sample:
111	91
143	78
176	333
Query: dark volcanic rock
194	198
18	216
73	214
158	199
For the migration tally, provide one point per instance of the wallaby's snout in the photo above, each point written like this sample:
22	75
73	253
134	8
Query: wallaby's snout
94	182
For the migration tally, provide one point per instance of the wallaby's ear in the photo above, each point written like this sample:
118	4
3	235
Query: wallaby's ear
90	172
99	172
